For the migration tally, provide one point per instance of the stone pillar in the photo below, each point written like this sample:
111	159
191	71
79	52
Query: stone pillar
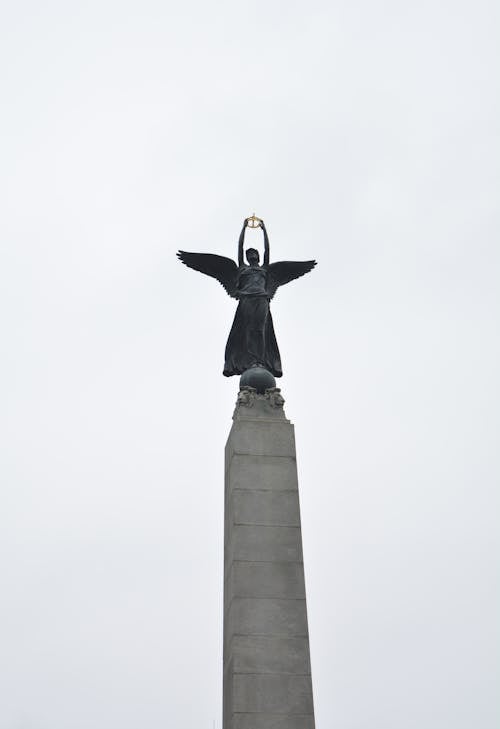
267	671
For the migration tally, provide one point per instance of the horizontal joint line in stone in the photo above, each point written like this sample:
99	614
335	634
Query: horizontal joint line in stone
270	673
268	561
277	491
247	597
271	635
270	526
255	523
268	713
268	597
284	636
261	455
261	419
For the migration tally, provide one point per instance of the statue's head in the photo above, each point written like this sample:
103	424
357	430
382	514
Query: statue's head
252	256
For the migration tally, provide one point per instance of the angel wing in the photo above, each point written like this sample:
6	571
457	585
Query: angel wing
219	267
283	272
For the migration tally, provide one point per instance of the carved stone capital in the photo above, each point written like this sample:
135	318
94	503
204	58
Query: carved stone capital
251	405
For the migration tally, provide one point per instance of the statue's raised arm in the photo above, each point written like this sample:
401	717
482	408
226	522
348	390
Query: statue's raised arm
252	342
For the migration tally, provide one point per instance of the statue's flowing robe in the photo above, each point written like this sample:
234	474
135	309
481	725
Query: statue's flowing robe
252	340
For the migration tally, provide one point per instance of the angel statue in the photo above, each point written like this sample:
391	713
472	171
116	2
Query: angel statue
251	341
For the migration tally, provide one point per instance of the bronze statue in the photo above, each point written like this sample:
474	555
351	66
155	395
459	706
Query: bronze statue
251	341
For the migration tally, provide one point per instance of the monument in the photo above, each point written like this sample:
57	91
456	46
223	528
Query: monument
266	662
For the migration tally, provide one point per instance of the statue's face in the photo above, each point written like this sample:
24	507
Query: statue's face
253	257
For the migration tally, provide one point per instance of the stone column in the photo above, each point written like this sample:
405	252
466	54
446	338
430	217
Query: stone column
267	672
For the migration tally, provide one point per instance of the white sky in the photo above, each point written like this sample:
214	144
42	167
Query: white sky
366	135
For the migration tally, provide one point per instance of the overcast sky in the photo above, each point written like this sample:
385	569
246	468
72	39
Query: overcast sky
366	135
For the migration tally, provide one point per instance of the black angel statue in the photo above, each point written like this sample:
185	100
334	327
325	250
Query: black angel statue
251	341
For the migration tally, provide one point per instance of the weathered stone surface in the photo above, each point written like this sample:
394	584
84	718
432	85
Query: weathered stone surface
267	673
251	616
228	691
266	543
266	654
262	472
274	694
273	721
266	579
266	507
263	438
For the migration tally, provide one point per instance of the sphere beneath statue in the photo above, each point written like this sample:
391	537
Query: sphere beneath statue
257	377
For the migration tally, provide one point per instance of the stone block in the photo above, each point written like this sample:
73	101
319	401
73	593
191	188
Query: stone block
227	693
261	438
273	721
250	616
265	654
274	694
262	472
266	507
266	579
266	543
